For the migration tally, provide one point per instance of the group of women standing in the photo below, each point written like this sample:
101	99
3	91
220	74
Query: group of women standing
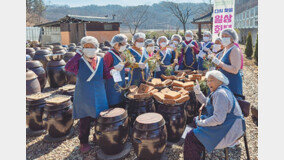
97	76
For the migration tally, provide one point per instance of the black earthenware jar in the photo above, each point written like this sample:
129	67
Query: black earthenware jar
175	117
34	112
37	67
56	73
149	138
40	55
32	83
111	130
58	118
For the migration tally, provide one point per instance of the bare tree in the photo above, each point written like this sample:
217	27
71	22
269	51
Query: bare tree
134	17
179	11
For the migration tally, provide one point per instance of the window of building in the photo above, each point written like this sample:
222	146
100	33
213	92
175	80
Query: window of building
108	27
251	12
256	11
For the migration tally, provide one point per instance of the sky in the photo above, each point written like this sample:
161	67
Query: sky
77	3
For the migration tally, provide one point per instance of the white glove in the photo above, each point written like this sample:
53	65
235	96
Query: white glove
216	61
190	45
206	49
142	65
176	67
119	67
175	60
201	54
199	122
196	88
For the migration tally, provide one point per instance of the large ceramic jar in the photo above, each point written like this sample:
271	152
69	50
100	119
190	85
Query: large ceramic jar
149	138
191	107
175	117
38	69
30	51
57	116
111	130
57	48
56	73
135	107
71	77
35	106
40	55
32	83
28	57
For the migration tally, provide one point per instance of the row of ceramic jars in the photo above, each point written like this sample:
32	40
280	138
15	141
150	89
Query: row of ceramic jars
55	118
149	136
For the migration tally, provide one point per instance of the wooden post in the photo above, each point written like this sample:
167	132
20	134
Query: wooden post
199	32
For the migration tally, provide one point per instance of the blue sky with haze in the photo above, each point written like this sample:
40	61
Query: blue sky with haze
76	3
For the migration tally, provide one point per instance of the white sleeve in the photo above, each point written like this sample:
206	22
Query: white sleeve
201	98
221	105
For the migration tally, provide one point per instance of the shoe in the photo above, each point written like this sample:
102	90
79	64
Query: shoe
84	148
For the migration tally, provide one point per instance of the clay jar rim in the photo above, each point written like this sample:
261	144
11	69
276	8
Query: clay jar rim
170	108
69	54
146	100
30	75
30	50
33	64
110	120
43	52
54	57
149	127
56	107
35	103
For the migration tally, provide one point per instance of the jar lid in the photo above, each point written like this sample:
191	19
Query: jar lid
30	75
43	52
149	121
54	57
33	64
30	50
112	115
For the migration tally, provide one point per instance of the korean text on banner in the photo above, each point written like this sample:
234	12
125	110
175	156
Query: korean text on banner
223	16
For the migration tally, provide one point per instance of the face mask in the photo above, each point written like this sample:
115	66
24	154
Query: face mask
163	44
206	39
150	49
175	42
122	48
216	47
188	38
90	52
139	44
172	45
226	41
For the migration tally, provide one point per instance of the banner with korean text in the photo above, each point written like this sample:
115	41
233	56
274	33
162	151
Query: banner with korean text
223	16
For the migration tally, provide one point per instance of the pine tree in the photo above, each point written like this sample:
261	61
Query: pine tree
256	51
249	47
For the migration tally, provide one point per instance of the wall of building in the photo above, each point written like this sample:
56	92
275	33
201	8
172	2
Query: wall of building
102	35
51	35
65	37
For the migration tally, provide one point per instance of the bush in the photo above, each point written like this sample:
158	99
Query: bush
255	56
249	47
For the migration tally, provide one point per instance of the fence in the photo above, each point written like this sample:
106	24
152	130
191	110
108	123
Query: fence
33	33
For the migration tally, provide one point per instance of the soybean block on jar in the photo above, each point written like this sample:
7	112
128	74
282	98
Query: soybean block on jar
176	88
131	95
188	88
142	95
156	81
177	83
167	82
188	84
133	88
168	77
183	92
165	90
153	91
159	96
172	95
182	99
144	88
58	99
150	83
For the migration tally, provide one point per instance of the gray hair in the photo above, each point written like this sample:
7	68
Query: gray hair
137	36
119	38
218	75
207	33
188	32
89	39
232	33
149	41
162	37
176	36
